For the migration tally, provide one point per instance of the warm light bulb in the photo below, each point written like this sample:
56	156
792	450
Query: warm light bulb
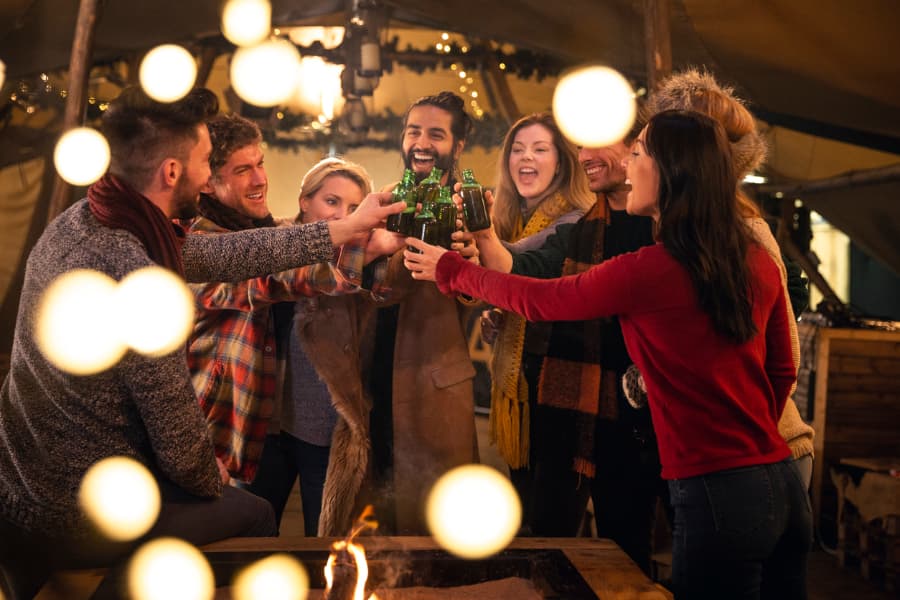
277	577
154	311
72	325
246	22
318	87
81	156
2	73
120	496
594	106
170	569
267	74
473	511
168	73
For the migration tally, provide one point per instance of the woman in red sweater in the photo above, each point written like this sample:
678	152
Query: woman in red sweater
703	316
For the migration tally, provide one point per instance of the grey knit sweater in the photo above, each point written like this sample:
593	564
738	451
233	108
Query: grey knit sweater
53	425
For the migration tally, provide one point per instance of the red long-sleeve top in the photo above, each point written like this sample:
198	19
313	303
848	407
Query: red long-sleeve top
715	404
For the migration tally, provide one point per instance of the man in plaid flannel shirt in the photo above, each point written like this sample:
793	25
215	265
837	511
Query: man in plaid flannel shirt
232	350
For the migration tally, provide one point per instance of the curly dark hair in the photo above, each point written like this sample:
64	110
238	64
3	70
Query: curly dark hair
142	132
227	134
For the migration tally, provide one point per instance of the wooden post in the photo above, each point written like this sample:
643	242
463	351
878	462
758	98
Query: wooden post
657	41
79	70
496	79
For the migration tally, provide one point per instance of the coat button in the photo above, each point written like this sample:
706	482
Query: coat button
268	348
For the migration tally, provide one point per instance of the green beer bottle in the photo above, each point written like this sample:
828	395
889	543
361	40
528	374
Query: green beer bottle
429	187
426	227
396	222
475	212
445	213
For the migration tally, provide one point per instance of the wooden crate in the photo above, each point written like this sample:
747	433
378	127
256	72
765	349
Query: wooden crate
856	408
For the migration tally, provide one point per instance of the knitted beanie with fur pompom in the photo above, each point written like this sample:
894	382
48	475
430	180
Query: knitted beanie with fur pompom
682	91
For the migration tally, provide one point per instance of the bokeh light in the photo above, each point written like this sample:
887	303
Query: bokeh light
120	496
170	569
168	73
246	22
594	106
276	577
73	328
2	81
81	156
318	88
154	311
473	511
267	74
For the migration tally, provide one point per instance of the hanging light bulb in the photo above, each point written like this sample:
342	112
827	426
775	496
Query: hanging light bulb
594	106
81	156
246	22
168	73
266	75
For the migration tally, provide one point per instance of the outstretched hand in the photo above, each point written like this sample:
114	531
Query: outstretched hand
371	213
422	265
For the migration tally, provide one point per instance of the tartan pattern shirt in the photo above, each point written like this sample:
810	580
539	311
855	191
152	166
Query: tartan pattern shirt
231	352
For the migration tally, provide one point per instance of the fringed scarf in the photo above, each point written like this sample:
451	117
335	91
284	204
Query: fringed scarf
509	418
115	204
573	386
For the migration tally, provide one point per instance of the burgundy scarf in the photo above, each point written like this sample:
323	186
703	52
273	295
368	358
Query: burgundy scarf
119	206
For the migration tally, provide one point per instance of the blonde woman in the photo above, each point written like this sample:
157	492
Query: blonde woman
540	186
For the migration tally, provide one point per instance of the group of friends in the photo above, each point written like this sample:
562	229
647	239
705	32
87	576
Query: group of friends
654	363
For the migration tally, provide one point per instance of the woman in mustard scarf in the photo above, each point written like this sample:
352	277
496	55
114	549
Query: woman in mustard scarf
540	186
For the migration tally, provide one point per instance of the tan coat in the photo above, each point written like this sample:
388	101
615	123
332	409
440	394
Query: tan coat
336	338
432	395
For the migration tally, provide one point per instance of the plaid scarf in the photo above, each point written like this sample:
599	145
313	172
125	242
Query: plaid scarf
574	388
229	218
509	418
117	205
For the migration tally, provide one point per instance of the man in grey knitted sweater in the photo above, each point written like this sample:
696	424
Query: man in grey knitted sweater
54	425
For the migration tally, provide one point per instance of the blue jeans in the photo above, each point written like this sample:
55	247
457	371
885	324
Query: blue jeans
741	534
284	459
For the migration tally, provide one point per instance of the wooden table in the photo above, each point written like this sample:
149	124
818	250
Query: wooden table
603	565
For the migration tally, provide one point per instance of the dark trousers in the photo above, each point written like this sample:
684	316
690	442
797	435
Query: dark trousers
742	534
27	559
284	459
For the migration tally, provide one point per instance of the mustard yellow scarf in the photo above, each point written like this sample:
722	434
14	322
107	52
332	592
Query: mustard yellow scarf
509	419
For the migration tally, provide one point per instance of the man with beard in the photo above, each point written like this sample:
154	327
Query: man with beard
585	429
54	425
423	420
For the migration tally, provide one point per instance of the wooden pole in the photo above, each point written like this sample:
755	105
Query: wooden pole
847	180
79	71
799	257
657	41
501	93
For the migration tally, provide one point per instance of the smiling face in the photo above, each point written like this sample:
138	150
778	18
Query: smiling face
603	167
241	182
643	175
338	197
428	142
533	161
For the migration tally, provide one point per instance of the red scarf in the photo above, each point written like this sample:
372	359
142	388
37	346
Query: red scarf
119	206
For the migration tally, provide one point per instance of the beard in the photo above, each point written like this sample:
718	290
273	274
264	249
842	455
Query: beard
185	204
444	162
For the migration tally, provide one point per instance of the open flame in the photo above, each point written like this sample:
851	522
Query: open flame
347	558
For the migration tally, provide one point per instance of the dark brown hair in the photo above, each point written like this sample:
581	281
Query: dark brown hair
228	133
143	132
699	223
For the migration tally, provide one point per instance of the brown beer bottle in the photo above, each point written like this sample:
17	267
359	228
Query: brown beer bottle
445	212
475	212
401	193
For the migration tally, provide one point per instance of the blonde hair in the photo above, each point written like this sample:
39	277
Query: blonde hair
569	180
315	178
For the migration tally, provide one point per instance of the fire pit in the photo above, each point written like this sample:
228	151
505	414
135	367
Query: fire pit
548	570
556	567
